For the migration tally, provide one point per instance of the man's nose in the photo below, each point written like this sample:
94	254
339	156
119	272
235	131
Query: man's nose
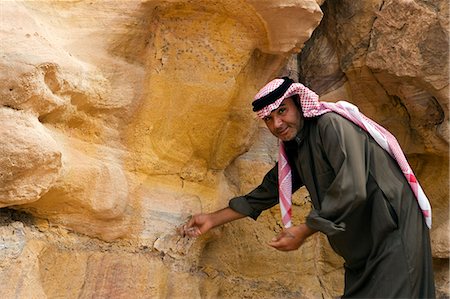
277	121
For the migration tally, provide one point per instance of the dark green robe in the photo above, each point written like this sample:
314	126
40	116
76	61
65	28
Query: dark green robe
364	205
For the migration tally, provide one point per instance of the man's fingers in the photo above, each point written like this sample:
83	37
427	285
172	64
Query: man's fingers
281	235
190	222
181	230
278	237
282	241
192	228
273	244
276	241
192	231
279	245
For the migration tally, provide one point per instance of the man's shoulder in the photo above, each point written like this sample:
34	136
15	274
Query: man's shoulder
330	117
334	121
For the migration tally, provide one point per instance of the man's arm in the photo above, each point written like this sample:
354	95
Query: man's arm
262	197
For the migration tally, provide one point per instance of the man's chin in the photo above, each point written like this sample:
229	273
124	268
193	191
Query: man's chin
286	138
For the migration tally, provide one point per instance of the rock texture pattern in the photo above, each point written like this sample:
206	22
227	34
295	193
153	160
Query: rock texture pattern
119	119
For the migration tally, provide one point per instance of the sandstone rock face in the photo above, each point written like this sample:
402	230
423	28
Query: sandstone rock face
30	159
120	119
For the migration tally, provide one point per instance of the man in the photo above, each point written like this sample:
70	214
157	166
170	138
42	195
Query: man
365	197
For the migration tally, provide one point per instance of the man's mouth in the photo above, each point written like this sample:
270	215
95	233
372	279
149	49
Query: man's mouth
283	131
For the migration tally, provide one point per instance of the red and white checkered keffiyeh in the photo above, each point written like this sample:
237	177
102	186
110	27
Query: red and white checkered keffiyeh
312	107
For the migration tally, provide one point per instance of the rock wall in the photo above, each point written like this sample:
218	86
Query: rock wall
121	118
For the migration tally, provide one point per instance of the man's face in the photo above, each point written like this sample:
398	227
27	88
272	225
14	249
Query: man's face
285	121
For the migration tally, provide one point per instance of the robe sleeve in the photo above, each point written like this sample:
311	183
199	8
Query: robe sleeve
345	147
262	197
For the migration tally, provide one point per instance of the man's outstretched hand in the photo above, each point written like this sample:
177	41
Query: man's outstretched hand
291	238
201	223
198	224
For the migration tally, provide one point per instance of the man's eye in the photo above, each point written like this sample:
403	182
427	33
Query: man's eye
266	119
281	111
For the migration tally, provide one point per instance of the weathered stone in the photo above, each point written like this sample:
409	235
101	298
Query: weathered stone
30	159
20	275
91	195
407	40
12	242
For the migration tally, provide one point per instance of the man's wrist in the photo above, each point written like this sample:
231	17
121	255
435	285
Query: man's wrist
306	230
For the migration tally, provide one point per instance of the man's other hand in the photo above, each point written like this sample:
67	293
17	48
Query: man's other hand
291	238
